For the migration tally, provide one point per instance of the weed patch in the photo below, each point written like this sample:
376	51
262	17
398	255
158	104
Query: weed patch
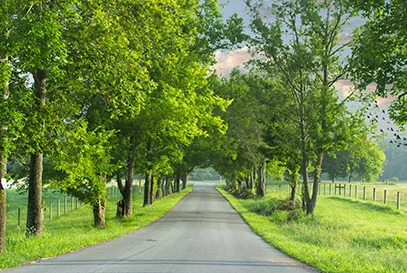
279	210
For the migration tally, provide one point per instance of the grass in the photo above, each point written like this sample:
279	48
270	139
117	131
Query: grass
345	235
356	190
75	229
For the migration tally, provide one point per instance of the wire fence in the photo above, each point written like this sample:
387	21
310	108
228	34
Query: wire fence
62	206
387	195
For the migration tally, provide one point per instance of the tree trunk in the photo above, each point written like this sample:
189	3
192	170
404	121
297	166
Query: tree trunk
317	178
35	215
3	204
158	191
99	214
294	182
120	204
185	179
306	195
177	182
148	189
293	194
128	188
152	186
261	176
168	186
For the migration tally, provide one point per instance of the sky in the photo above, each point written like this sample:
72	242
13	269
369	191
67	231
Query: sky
227	60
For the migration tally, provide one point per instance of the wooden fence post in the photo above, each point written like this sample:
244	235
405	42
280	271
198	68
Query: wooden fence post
350	191
398	200
19	217
356	192
374	194
385	197
64	205
330	189
364	193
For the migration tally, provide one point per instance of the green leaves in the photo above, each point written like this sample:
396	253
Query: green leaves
379	54
83	157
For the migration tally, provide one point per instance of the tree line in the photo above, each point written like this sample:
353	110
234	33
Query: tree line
96	90
287	115
100	90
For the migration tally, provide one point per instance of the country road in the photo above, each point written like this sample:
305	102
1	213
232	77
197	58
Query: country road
202	233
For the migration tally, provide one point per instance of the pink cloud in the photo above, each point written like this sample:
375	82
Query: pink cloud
226	61
346	87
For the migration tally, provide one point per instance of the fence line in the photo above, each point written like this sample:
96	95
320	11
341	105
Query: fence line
74	204
370	193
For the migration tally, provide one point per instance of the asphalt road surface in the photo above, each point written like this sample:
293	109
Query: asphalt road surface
202	233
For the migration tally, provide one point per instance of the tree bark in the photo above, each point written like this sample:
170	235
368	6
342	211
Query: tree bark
305	161
185	179
317	178
168	186
294	182
147	189
128	188
99	214
152	186
158	191
3	204
261	176
35	214
177	182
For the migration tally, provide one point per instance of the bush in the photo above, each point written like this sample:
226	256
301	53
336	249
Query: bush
280	210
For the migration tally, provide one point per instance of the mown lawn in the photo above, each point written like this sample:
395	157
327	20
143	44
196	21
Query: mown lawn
345	235
75	229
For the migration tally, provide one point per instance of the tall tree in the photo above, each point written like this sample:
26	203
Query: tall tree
12	100
5	75
42	51
301	48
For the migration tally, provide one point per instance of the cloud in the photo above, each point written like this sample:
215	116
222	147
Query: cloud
346	87
226	61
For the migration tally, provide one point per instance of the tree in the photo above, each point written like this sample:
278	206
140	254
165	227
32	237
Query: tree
378	54
337	165
395	160
83	160
300	48
369	160
362	159
5	75
38	38
243	159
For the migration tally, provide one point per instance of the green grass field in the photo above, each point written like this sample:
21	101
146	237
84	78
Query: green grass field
73	230
345	235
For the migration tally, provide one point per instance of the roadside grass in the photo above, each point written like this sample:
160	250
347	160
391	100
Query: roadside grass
345	235
355	190
75	229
